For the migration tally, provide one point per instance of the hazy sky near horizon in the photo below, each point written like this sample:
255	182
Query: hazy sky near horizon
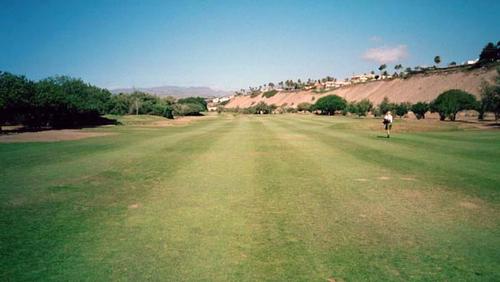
235	44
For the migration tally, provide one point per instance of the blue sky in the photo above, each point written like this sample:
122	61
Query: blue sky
235	44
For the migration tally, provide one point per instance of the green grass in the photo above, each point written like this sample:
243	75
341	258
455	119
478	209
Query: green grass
291	197
135	119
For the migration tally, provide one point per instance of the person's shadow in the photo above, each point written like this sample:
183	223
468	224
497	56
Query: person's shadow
382	136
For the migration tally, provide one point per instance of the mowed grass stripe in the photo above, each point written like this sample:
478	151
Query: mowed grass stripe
412	217
70	213
51	161
187	228
473	176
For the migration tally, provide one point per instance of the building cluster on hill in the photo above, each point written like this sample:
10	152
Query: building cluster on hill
489	54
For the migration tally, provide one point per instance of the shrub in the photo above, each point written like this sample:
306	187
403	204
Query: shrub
304	107
328	105
188	109
363	107
386	106
490	98
450	102
264	108
402	109
419	109
269	94
194	100
254	93
168	112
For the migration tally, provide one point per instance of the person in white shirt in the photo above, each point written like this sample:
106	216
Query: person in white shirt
388	123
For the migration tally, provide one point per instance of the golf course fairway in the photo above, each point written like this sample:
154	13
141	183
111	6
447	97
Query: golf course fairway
252	198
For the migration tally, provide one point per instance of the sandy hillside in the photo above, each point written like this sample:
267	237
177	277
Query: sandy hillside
421	87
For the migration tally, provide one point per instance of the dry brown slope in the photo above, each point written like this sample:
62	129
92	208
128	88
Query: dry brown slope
421	87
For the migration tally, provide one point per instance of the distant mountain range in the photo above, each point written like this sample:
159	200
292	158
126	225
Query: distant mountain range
176	91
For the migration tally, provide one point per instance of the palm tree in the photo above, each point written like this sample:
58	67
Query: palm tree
382	67
437	60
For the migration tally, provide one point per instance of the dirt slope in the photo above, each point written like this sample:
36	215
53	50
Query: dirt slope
421	87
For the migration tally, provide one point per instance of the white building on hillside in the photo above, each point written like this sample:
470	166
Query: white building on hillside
362	78
470	62
340	83
222	99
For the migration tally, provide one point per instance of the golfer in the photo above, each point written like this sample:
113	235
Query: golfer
388	123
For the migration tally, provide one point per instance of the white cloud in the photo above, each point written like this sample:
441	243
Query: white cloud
376	38
384	55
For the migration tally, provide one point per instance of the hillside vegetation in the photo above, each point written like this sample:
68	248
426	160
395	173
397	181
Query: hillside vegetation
417	88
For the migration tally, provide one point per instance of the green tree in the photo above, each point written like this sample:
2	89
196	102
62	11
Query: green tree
489	54
385	106
16	97
187	109
328	105
402	109
490	97
450	102
119	104
63	101
168	112
437	60
194	100
382	67
363	107
453	63
419	109
263	108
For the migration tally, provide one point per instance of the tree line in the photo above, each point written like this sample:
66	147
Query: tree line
65	102
447	104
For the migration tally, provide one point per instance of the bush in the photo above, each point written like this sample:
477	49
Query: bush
119	104
490	98
419	109
262	108
386	106
376	112
328	105
304	107
255	93
269	94
450	102
188	109
402	109
194	100
363	107
168	112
